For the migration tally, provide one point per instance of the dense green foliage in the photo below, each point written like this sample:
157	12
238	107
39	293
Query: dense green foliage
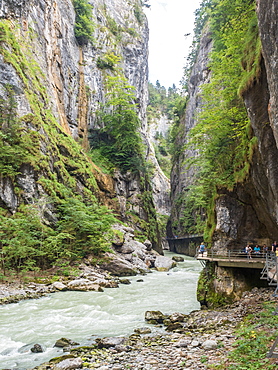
28	244
223	137
119	139
88	227
108	61
84	26
162	101
16	143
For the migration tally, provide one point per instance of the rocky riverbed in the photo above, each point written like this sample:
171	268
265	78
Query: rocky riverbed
200	340
128	257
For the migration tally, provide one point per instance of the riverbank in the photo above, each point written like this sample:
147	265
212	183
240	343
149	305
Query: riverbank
210	339
88	278
128	257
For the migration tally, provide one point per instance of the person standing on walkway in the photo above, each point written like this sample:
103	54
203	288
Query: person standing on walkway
274	248
202	249
248	250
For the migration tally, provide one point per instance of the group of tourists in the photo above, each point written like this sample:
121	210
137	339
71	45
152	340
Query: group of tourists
261	251
249	250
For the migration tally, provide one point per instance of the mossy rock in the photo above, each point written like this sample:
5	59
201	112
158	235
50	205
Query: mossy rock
174	326
56	360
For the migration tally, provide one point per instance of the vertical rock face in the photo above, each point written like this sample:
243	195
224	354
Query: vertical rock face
181	177
161	184
74	84
267	11
249	214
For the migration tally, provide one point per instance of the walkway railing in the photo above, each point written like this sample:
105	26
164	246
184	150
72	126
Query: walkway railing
229	255
269	259
186	236
270	271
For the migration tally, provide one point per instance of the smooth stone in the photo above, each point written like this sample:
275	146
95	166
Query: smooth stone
209	344
142	330
69	364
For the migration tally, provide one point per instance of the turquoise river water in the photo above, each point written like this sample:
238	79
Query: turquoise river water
83	316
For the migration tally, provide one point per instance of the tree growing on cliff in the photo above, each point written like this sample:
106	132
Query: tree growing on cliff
119	139
84	26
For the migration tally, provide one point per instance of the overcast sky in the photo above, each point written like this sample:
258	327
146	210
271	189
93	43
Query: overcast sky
169	21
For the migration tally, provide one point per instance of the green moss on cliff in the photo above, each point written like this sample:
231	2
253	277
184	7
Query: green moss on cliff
60	166
206	294
63	153
252	55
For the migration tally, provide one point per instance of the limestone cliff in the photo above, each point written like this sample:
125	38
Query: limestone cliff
248	212
55	86
161	184
181	176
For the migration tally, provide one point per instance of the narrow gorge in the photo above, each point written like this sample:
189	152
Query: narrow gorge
99	167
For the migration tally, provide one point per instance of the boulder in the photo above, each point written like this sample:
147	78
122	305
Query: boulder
37	348
124	281
33	347
121	348
126	248
154	317
135	247
118	266
84	285
142	330
139	264
183	343
209	344
174	326
195	343
178	259
65	342
163	263
148	244
69	364
109	342
176	317
59	286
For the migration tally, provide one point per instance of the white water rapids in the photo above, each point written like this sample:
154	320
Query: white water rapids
83	316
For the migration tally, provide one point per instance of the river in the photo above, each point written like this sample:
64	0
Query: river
83	316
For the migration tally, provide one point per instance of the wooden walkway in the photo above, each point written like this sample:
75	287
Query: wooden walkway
267	262
234	259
